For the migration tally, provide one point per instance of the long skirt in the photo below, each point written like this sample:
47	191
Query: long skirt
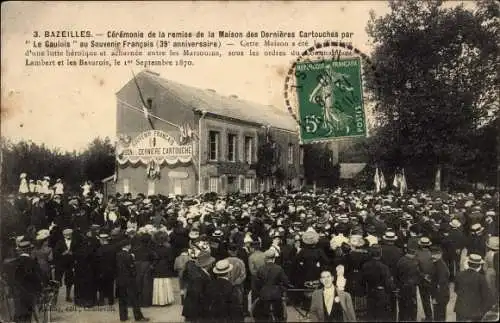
163	292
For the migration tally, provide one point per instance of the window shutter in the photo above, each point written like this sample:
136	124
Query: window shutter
242	183
208	147
223	182
206	183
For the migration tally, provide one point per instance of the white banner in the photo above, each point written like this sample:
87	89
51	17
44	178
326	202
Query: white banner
153	145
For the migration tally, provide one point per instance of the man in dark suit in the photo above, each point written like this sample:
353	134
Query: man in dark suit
28	283
106	269
390	256
64	261
407	279
126	284
271	282
474	297
223	297
427	270
441	285
380	286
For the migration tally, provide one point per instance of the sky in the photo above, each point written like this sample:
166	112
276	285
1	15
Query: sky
66	107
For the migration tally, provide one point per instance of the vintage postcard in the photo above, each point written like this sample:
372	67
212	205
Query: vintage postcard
178	156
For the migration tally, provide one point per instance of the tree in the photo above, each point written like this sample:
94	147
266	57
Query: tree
436	83
99	160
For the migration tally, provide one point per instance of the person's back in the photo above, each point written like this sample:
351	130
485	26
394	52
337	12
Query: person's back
256	261
271	281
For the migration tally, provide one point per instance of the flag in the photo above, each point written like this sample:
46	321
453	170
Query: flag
382	180
402	187
395	182
376	180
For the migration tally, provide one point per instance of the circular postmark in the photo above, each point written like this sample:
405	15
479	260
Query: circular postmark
324	94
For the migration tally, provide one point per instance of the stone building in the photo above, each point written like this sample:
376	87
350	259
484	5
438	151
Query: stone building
163	125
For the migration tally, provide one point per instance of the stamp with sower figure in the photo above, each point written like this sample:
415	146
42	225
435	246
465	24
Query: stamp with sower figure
324	92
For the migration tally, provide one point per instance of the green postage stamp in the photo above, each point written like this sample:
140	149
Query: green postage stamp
330	99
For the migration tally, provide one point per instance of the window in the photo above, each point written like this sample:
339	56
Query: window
126	186
301	157
230	180
290	154
213	185
151	188
231	147
248	149
213	145
248	185
150	103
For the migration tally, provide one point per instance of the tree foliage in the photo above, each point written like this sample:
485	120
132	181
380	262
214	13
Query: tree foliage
436	86
37	161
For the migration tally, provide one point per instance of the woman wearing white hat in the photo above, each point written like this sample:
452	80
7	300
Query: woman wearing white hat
23	186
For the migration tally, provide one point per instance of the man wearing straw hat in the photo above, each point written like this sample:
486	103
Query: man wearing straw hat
474	297
223	297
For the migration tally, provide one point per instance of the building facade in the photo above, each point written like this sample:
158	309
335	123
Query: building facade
176	139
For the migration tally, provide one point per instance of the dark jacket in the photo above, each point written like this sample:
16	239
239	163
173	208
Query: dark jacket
27	278
441	282
390	256
196	301
164	263
224	305
126	271
106	261
407	272
271	282
474	297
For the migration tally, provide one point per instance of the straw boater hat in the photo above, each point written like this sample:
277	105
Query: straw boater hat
194	234
42	234
476	228
222	267
493	243
424	242
475	259
67	231
390	236
455	223
217	233
24	245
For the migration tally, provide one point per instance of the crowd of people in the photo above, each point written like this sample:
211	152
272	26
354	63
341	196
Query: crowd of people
340	255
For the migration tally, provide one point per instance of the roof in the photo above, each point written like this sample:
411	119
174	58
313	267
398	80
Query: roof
228	106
